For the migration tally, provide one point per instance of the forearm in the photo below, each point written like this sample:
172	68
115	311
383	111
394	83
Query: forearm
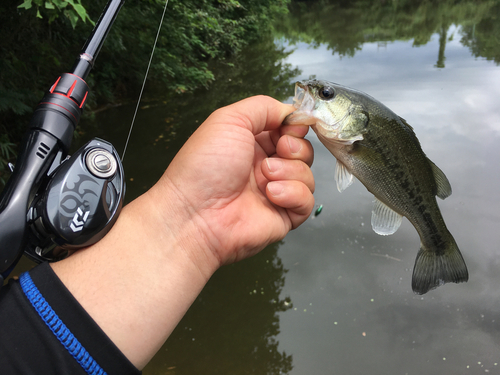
138	282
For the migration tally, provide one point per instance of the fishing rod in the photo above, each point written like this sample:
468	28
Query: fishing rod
54	204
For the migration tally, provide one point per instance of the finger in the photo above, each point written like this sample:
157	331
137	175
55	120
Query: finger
269	140
275	136
275	169
297	131
294	196
289	147
257	113
266	142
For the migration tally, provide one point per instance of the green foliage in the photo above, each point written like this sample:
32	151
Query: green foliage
193	33
41	38
72	10
36	50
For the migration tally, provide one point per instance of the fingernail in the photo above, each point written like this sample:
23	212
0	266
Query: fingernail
274	164
294	144
275	188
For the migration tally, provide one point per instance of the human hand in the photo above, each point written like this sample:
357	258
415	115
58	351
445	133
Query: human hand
219	201
243	181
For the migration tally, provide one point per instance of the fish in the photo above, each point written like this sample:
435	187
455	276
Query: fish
379	148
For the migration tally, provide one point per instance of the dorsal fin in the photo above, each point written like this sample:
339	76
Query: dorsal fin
410	131
443	185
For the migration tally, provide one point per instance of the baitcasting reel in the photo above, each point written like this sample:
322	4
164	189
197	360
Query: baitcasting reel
79	203
54	204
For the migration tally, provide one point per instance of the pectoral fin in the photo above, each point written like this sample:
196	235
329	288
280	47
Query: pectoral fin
385	221
443	185
343	177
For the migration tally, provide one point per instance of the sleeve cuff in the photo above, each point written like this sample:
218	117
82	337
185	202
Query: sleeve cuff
80	323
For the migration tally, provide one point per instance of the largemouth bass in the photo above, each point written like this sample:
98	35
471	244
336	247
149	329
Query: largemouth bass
381	150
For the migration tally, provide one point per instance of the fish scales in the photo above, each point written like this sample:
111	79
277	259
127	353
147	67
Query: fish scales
393	175
381	149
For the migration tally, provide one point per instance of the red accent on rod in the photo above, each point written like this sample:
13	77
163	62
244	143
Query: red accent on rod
84	98
54	85
71	89
58	93
71	74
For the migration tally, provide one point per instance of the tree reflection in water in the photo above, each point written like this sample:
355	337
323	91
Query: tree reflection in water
346	26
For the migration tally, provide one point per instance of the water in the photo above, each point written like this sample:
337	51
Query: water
334	297
354	311
355	285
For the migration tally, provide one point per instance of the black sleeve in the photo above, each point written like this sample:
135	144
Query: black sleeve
27	344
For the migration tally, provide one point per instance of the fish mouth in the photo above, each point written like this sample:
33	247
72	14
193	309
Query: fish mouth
304	103
300	93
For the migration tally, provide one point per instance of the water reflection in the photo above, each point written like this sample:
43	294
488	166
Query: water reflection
345	26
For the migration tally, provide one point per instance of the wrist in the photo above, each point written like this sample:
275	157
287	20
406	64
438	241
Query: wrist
170	217
143	275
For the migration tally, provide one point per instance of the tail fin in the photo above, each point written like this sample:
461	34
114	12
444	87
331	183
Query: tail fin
433	269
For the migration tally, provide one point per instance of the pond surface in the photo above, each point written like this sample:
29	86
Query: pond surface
334	297
354	311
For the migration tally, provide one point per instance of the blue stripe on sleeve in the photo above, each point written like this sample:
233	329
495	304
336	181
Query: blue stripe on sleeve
59	329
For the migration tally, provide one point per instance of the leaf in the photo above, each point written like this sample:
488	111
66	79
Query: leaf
72	16
77	12
81	11
53	17
49	5
26	5
60	4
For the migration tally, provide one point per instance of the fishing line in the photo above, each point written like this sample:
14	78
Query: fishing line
145	78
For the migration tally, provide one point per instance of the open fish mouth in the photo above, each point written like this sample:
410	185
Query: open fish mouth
304	102
300	93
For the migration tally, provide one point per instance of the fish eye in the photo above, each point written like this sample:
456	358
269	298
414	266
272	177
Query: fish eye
326	93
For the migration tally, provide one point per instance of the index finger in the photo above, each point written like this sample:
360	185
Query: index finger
257	114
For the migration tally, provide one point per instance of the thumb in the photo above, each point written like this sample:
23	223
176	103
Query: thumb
257	114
